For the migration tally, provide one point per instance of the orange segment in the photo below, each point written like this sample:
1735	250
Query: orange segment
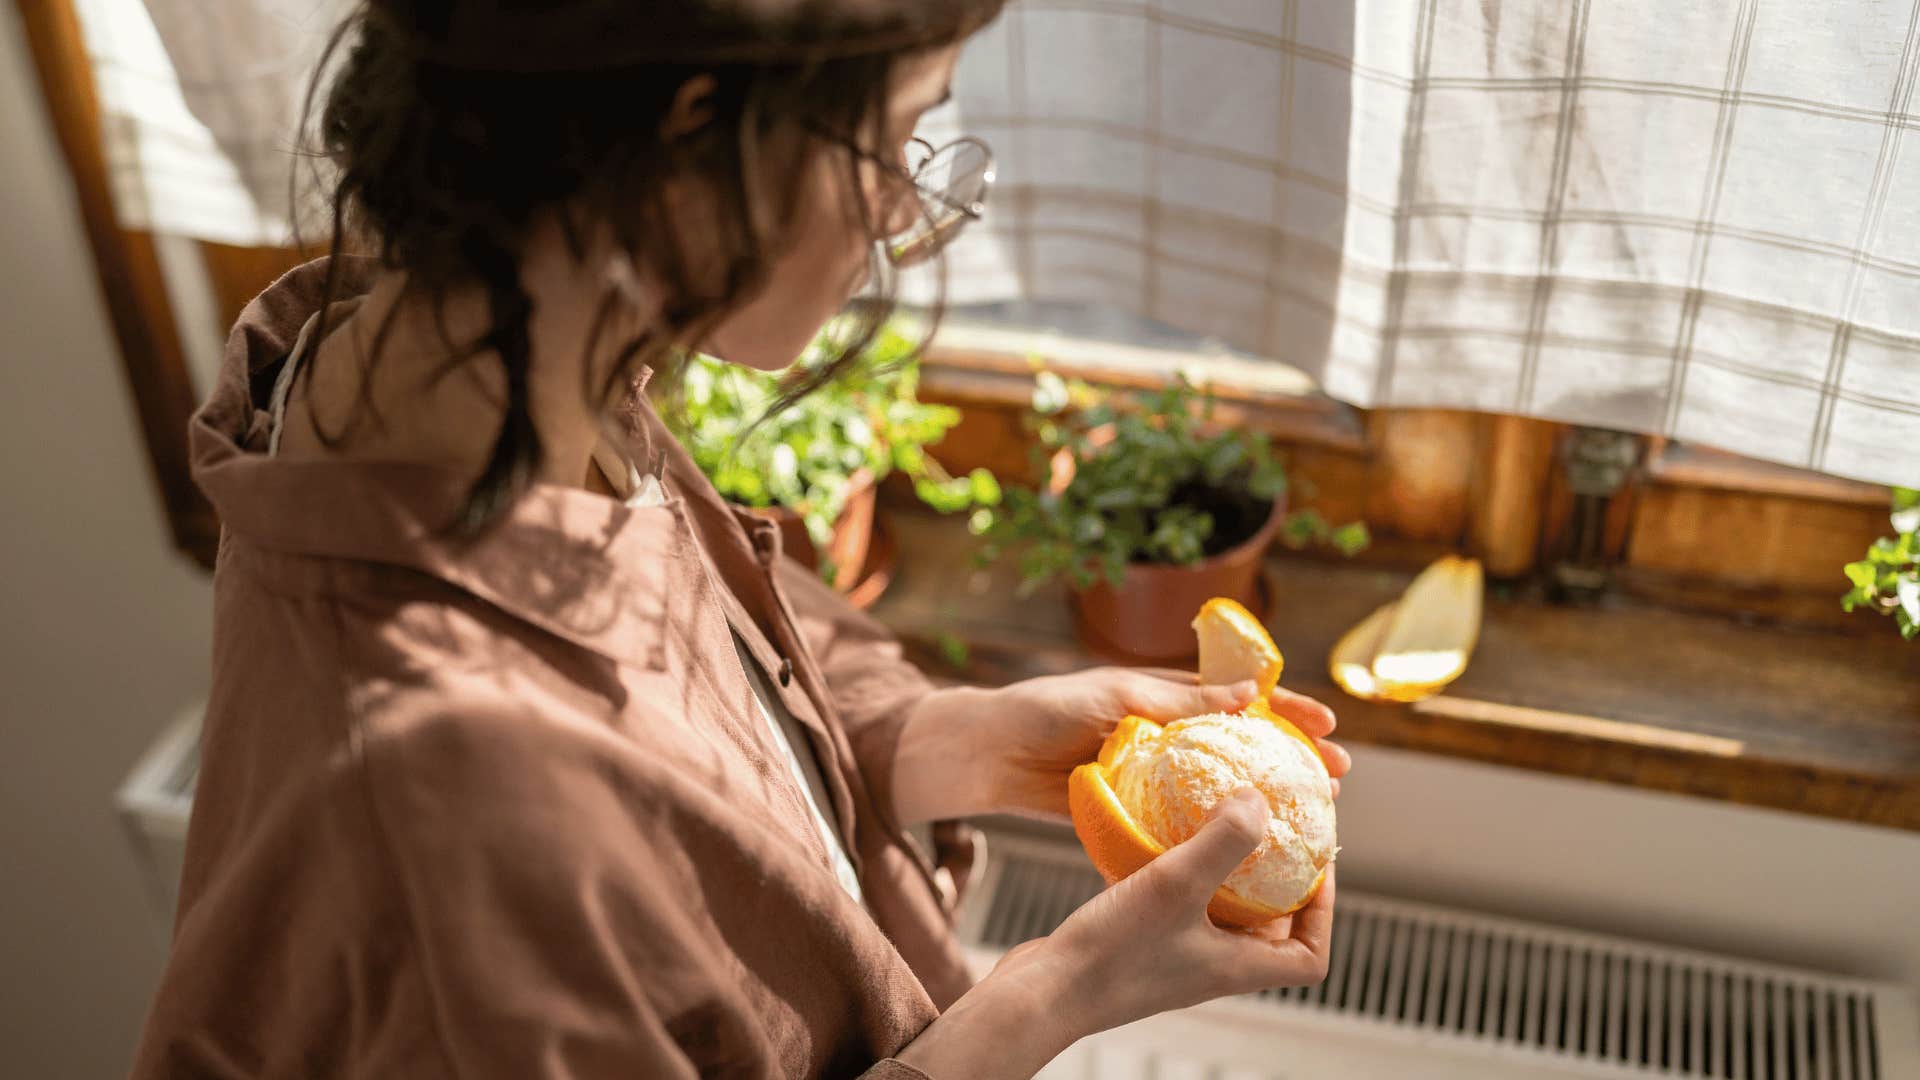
1235	646
1265	712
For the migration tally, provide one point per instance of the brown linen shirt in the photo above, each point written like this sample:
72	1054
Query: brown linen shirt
507	809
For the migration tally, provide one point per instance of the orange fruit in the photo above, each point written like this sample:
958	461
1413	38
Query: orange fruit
1173	801
1235	646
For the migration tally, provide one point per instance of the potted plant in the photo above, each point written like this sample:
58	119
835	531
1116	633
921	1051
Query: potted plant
1149	508
814	466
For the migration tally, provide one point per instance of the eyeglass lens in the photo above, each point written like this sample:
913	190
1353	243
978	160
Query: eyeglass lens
953	182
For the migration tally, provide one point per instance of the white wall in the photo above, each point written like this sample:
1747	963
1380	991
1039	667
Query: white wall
103	630
1783	887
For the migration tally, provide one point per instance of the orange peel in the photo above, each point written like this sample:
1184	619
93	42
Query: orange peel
1414	647
1235	645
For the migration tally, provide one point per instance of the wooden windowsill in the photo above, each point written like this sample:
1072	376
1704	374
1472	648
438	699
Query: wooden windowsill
1811	722
1681	465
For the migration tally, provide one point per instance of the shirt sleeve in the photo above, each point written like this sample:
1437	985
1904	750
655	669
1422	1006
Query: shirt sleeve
572	919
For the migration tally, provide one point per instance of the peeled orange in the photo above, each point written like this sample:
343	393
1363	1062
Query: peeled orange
1154	786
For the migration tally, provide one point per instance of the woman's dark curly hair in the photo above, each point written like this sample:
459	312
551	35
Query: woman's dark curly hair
453	126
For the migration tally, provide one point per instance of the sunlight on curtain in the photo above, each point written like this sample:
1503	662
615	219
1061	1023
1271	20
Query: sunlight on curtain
1699	220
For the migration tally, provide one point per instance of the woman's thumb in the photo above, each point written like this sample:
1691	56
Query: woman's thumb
1238	825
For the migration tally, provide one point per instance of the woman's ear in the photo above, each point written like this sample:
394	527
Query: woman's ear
692	109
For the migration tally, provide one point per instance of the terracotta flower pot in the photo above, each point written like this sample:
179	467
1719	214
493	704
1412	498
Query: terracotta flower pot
852	534
1145	618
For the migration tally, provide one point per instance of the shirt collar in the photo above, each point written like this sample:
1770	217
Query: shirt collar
582	566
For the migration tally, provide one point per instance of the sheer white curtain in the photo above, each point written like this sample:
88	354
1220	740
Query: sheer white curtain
1699	218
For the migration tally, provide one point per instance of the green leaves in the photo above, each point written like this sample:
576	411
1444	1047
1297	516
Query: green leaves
1888	579
1351	539
1180	535
1306	527
805	456
953	649
1862	574
1151	477
1225	456
978	488
984	486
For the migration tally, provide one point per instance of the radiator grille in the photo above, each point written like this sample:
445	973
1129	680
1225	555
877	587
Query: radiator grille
1603	1001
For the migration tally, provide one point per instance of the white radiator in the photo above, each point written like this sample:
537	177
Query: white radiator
1417	991
154	802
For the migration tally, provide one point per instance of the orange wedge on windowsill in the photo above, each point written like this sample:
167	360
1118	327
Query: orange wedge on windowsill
1211	756
1413	648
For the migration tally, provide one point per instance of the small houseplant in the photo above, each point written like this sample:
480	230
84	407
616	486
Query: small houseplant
813	466
1888	579
1149	508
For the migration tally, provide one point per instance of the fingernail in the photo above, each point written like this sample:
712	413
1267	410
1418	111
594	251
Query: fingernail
1252	798
1243	690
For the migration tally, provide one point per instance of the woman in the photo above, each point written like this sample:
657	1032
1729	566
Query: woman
525	755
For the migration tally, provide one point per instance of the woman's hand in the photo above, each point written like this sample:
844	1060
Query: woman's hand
1142	947
967	751
1048	726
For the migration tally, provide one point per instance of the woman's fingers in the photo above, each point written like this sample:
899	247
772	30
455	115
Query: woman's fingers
1313	924
1336	756
1194	869
1164	694
1290	951
1167	673
1163	699
1300	957
1307	714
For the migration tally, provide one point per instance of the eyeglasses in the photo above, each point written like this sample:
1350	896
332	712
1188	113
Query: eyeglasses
951	183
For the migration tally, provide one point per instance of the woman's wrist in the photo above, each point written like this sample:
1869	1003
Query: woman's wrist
1010	1024
945	766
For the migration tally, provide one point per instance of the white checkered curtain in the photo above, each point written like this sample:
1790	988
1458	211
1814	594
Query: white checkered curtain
1698	218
